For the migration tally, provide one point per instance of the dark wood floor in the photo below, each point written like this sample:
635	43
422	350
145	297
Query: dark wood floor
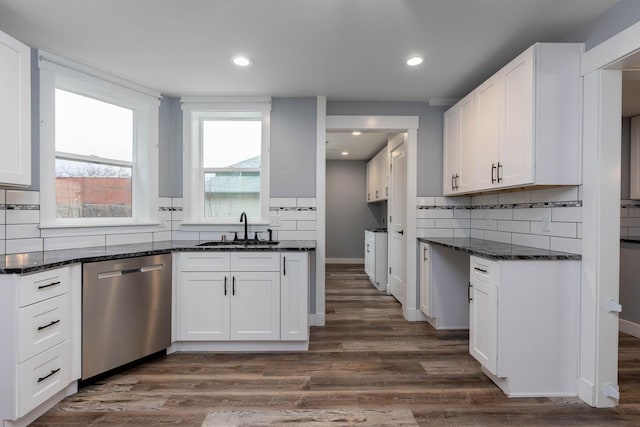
367	366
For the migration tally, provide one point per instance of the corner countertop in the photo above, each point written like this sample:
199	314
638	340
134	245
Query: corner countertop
500	251
31	262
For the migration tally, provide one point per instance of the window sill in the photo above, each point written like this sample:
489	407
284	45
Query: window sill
198	226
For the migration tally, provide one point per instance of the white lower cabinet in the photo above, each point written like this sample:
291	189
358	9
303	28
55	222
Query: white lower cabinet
375	258
243	296
40	332
523	321
425	279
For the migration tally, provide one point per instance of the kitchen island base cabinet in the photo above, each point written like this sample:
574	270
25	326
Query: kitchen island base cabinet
375	258
241	301
523	321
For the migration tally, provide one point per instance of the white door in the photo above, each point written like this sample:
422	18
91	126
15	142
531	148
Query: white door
397	223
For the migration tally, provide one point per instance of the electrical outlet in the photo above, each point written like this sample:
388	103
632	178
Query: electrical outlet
546	223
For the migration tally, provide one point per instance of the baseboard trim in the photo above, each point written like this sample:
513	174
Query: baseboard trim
317	319
344	261
239	346
630	328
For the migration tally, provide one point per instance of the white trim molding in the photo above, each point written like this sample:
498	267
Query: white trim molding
321	209
345	261
630	328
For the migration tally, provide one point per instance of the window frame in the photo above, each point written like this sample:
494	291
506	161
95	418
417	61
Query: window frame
59	73
196	110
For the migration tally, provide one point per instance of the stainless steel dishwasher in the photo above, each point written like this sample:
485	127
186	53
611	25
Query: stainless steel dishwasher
126	311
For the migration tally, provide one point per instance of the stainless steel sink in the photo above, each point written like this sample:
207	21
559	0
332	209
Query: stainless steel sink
240	243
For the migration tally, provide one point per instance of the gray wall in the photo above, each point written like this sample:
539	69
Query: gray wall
348	213
293	147
170	147
613	20
429	134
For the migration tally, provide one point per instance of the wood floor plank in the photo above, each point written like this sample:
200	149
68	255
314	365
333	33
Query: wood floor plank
366	366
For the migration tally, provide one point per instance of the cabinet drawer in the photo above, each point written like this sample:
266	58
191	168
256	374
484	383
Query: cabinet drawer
484	270
204	261
255	261
40	286
42	376
43	325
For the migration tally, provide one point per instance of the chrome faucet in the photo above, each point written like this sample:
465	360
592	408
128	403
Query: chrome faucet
244	215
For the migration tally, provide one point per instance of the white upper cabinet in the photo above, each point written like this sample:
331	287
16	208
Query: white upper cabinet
459	147
378	177
15	111
527	123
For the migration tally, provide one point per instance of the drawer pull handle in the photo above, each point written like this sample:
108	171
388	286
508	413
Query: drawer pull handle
481	270
54	322
49	285
53	372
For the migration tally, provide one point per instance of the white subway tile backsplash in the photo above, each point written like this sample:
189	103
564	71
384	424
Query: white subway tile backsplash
22	231
184	235
453	223
452	201
3	217
58	243
566	214
477	234
125	239
484	224
633	231
497	236
434	213
532	214
283	202
425	223
559	194
426	201
17	246
514	226
557	229
566	245
514	198
286	225
306	225
296	235
435	232
461	233
297	215
630	222
634	211
15	216
306	202
624	232
21	197
177	216
164	202
162	236
177	202
624	212
488	199
504	214
2	198
533	240
462	213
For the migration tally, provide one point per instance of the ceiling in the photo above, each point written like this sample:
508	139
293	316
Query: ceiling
344	49
360	147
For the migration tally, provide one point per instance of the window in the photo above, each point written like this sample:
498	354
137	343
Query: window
226	164
99	148
94	157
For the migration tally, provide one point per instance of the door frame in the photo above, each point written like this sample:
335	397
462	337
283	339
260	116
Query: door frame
390	124
602	99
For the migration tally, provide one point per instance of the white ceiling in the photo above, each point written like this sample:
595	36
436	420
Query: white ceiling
344	49
359	147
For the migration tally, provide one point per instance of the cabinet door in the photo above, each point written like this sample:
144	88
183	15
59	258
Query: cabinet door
465	180
483	324
255	306
384	173
516	159
203	306
370	179
15	111
451	149
489	130
294	297
369	254
425	279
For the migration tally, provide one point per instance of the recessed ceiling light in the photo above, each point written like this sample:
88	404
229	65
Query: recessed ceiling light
242	61
356	133
415	60
345	153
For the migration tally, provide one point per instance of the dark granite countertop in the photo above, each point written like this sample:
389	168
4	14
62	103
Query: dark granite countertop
36	261
376	230
500	251
630	239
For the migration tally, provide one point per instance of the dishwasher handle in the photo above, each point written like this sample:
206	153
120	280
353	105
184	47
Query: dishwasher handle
143	269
